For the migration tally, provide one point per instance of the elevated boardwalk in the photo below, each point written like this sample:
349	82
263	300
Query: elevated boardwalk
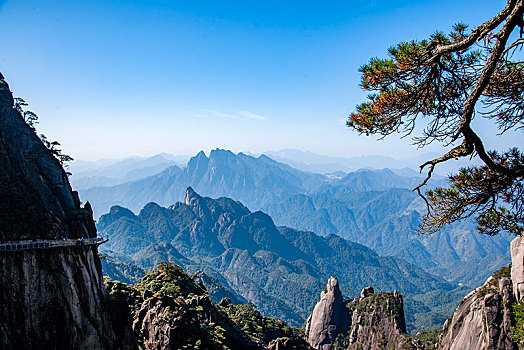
18	246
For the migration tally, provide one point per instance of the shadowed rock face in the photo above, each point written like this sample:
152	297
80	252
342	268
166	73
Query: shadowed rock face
36	200
50	299
330	317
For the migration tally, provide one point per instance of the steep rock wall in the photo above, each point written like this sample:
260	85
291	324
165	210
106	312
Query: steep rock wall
517	267
484	318
377	322
329	318
53	298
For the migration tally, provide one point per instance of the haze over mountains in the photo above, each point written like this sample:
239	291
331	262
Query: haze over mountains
309	161
195	173
373	207
109	172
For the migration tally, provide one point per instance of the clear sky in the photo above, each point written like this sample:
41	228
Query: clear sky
117	78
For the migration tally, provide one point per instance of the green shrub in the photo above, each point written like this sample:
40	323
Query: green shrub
518	330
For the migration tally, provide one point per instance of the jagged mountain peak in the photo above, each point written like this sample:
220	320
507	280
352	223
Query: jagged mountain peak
248	248
190	196
329	318
332	287
201	154
197	165
218	152
197	204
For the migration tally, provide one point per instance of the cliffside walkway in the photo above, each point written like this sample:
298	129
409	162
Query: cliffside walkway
50	244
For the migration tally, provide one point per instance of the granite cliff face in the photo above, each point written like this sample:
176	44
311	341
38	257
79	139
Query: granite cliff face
329	318
486	317
377	322
517	267
51	298
36	200
483	320
373	321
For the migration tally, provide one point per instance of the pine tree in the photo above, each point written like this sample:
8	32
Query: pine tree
448	80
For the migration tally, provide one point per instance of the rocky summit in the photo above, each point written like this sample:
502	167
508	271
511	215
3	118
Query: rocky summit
373	321
329	318
171	311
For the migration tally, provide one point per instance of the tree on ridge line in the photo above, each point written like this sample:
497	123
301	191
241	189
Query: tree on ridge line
448	80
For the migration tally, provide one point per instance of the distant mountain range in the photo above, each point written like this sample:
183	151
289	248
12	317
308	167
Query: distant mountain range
317	163
254	181
278	269
110	172
373	207
385	219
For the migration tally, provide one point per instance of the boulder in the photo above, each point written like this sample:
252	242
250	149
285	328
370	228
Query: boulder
367	291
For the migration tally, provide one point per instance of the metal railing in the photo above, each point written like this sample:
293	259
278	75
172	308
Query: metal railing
49	244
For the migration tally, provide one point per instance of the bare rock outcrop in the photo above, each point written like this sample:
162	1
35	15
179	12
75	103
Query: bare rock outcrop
281	344
373	321
52	298
483	319
329	318
377	321
517	267
172	311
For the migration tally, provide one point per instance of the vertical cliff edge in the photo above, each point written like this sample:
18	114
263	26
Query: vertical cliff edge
51	298
486	319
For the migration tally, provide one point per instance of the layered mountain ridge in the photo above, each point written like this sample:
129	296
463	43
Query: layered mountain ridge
373	207
278	269
254	181
54	297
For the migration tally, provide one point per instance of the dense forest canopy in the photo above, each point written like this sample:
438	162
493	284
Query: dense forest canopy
448	80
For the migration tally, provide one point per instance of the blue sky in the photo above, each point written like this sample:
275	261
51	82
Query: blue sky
117	78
